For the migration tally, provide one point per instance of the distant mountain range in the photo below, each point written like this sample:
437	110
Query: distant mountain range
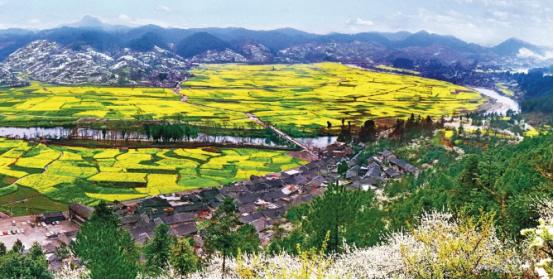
222	45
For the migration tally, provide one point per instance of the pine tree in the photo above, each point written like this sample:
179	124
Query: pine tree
346	216
18	247
182	257
224	234
107	250
157	250
15	264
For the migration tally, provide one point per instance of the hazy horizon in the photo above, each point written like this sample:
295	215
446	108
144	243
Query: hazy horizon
483	22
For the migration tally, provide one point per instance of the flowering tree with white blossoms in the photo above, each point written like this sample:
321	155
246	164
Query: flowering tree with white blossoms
539	242
441	247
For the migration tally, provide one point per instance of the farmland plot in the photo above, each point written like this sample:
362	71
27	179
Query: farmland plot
87	175
309	95
305	96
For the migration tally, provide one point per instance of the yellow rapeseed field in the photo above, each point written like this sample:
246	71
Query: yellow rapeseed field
88	175
309	95
302	95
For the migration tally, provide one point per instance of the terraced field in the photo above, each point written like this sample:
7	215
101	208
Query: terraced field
75	174
310	95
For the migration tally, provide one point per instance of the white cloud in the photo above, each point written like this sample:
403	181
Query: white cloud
527	53
163	8
359	22
124	17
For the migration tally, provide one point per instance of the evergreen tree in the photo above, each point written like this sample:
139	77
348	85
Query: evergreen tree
36	251
346	216
107	250
18	247
157	250
3	249
62	252
183	258
469	178
224	233
368	131
16	265
342	168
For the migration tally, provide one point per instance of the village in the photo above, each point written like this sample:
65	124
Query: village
261	202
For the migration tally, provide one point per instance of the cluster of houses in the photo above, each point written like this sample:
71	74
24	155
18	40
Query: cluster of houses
370	173
261	201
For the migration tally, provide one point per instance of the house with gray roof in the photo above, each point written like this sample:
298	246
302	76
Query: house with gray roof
392	173
373	169
403	165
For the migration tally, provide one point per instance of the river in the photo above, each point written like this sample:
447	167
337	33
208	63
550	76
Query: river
60	133
499	104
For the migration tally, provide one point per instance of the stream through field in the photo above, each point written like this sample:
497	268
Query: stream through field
64	133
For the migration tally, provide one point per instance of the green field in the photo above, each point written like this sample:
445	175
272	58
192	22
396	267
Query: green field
86	175
25	201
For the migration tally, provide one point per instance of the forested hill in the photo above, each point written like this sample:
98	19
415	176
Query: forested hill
537	89
503	178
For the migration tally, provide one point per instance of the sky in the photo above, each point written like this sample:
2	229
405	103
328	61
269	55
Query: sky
486	22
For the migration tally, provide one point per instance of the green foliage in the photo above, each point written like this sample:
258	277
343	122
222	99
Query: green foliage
168	132
36	251
347	217
501	178
342	168
15	264
3	249
183	258
157	251
107	250
62	252
18	247
224	233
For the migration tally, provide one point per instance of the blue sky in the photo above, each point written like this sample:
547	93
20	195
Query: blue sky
482	21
